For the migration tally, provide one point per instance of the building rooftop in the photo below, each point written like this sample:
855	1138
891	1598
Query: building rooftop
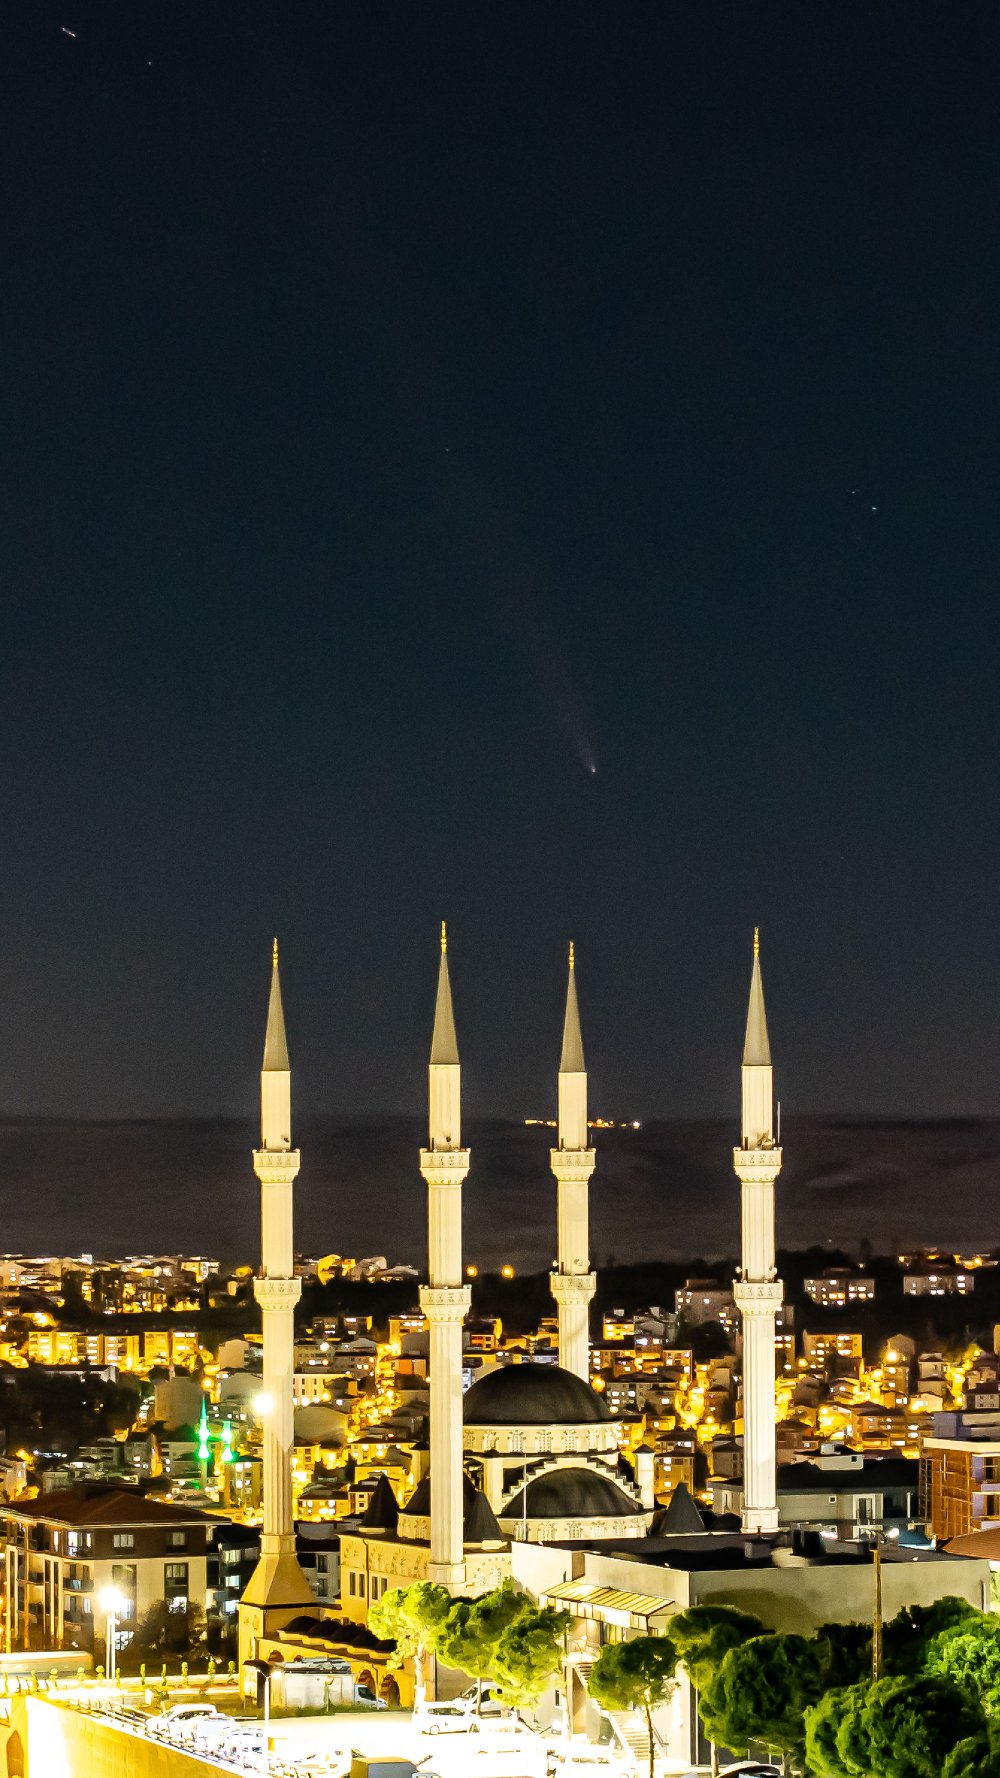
92	1505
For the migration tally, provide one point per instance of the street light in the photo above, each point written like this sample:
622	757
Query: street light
112	1601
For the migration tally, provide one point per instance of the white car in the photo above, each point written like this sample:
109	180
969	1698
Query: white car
187	1712
486	1702
751	1768
443	1716
366	1699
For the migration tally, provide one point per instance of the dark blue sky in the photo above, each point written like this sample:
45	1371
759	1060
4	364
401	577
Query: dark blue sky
405	406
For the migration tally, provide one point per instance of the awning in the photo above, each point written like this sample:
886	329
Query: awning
606	1604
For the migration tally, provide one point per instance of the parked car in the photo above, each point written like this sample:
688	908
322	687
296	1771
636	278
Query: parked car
387	1767
751	1768
188	1712
365	1697
485	1701
443	1716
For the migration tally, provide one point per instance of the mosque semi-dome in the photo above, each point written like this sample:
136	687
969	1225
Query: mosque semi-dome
572	1493
533	1395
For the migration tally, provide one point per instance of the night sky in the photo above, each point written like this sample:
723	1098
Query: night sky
407	409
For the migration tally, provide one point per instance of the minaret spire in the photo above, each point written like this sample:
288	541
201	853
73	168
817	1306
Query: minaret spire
444	1298
444	1043
573	1282
758	1291
756	1048
275	1041
571	1061
757	1072
278	1588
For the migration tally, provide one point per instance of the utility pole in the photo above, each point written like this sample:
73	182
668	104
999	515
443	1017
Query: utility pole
877	1610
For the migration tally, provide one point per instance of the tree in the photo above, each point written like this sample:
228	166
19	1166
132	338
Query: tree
971	1758
635	1675
529	1654
850	1652
907	1641
413	1618
914	1724
704	1634
762	1690
161	1633
969	1654
822	1723
473	1628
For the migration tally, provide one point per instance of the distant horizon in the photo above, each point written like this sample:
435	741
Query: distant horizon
663	1191
839	1119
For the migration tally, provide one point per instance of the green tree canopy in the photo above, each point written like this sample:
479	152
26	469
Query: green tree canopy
636	1675
822	1723
704	1634
529	1654
853	1740
971	1758
762	1690
907	1641
472	1629
413	1618
969	1654
850	1656
914	1725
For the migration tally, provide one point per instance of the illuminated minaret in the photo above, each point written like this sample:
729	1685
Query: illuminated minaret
444	1298
758	1291
278	1588
573	1163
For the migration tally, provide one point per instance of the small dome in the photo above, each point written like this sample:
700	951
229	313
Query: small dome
533	1395
572	1494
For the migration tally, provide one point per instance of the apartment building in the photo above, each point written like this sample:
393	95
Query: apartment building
66	1549
840	1288
960	1483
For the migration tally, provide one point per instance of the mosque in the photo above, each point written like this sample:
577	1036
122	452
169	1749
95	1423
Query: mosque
530	1453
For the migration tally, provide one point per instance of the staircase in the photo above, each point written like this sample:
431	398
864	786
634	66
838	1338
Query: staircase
629	1729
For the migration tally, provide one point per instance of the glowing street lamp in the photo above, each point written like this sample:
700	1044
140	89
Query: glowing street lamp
112	1602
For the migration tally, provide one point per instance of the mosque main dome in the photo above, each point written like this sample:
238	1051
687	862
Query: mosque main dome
533	1395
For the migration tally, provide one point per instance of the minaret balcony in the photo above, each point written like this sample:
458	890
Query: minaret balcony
572	1166
276	1166
446	1305
572	1287
277	1293
445	1166
757	1166
757	1297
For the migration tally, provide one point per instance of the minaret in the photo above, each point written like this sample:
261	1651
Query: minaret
444	1298
278	1588
572	1163
758	1291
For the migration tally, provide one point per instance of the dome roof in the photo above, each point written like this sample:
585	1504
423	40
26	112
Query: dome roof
572	1494
533	1395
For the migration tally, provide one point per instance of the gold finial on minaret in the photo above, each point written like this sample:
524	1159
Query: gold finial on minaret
572	955
756	941
444	938
274	955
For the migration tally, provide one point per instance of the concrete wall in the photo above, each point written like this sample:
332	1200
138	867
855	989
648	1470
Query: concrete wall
802	1598
59	1742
